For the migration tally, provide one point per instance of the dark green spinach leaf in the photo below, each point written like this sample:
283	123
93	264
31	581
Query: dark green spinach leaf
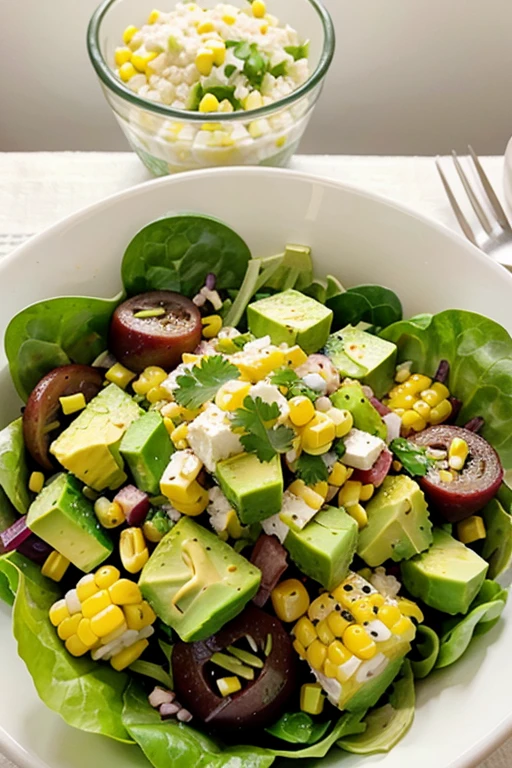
371	304
13	466
298	728
413	457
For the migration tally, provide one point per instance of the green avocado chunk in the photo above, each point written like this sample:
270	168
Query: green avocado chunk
89	447
65	519
195	582
370	693
292	318
448	577
398	523
363	356
324	549
147	448
254	488
350	397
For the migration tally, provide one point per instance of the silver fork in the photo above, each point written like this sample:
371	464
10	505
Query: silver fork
497	240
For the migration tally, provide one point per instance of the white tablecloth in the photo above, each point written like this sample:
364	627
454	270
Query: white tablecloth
38	189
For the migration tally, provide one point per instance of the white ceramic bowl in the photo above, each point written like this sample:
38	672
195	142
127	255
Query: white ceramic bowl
465	711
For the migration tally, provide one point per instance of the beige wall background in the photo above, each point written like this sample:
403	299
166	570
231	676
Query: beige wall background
410	77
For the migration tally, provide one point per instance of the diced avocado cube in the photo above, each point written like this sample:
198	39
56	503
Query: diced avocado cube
254	488
448	577
89	447
324	549
497	549
65	519
363	356
195	582
147	448
398	523
369	694
350	397
291	317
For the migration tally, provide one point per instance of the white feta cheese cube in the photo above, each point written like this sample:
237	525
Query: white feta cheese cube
211	438
275	526
316	382
219	509
393	424
295	512
362	449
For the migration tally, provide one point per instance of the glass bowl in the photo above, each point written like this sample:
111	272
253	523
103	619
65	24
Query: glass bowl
156	132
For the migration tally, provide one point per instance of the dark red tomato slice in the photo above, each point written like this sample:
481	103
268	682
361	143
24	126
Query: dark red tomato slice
262	700
43	405
139	338
376	474
271	558
475	485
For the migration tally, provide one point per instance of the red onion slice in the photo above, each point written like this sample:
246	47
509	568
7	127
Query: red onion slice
134	503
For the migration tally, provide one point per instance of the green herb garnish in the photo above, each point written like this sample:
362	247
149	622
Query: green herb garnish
202	382
287	377
413	457
311	469
298	51
261	436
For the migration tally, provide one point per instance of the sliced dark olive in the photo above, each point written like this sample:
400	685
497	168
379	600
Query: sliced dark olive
43	405
261	700
154	328
474	486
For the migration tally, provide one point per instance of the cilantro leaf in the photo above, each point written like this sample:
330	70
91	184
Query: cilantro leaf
202	382
286	377
261	436
298	51
340	448
311	469
413	457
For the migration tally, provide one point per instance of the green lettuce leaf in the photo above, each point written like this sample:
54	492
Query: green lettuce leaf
387	725
426	647
11	565
13	466
298	728
86	694
70	329
480	355
497	549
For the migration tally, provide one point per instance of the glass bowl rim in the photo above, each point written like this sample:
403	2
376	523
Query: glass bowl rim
110	80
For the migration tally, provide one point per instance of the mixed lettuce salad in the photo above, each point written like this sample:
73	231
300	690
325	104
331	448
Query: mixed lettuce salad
245	508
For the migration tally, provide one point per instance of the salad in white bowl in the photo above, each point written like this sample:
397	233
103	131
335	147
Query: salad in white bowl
244	506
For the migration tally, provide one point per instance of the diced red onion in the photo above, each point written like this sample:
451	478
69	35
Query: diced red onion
184	716
381	409
168	710
199	300
475	425
35	549
159	696
134	503
272	560
211	281
442	372
367	391
14	536
377	473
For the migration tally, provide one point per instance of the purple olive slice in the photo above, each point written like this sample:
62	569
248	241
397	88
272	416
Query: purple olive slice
474	486
261	700
43	406
154	328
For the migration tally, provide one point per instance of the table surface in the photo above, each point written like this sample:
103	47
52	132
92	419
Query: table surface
37	189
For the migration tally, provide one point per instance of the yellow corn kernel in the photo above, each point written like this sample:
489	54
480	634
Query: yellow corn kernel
128	33
261	367
169	425
253	101
68	627
106	576
96	604
125	592
36	482
72	403
205	26
229	18
302	410
445	476
377	600
308	495
416	384
58	612
403	401
305	631
316	654
312	698
457	453
140	61
264	27
120	375
359	642
343	421
179	437
234	527
350	493
133	550
403	372
362	610
423	409
359	514
144	617
412	420
232	395
195	507
389	615
330	669
204	63
153	17
219	52
295	356
321	488
228	685
397	466
109	513
338	623
128	655
441	412
321	607
156	394
85	633
281	141
325	634
151	377
403	626
226	107
126	72
107	621
367	492
55	566
259	8
299	649
435	394
212	324
290	600
410	609
319	432
75	647
471	529
86	587
338	654
339	474
122	56
344	595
